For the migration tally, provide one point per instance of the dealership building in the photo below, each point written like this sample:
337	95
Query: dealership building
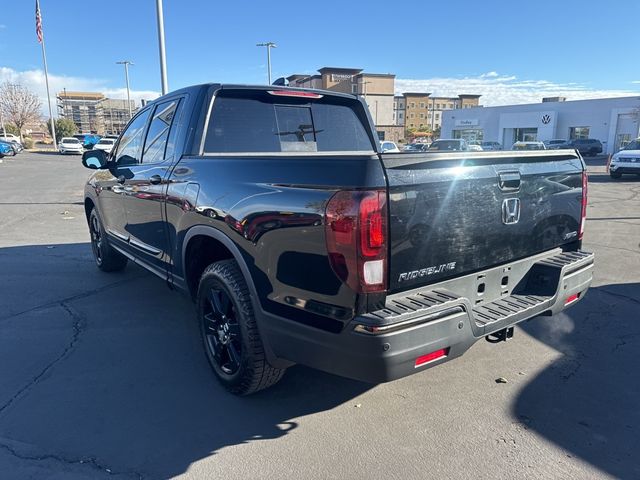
613	121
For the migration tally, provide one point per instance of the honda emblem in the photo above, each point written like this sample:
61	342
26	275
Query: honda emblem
510	211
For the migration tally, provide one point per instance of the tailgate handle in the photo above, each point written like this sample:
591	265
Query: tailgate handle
509	181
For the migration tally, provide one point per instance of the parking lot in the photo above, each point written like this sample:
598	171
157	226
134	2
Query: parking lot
103	375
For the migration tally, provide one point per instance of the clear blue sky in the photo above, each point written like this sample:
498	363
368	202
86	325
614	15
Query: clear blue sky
590	43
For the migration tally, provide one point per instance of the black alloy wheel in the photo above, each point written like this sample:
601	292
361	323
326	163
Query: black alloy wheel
232	342
222	331
107	258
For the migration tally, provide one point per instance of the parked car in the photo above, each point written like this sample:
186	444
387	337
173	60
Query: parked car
491	146
416	147
88	140
310	246
626	160
389	147
586	146
449	145
556	144
9	137
14	146
70	145
474	147
5	149
529	146
105	144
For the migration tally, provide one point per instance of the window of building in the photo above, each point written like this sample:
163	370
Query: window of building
411	125
422	115
437	106
421	104
354	88
576	133
413	105
451	106
437	116
421	125
411	115
400	115
472	135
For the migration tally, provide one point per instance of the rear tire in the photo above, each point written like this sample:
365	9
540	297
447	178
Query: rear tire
615	175
229	331
107	258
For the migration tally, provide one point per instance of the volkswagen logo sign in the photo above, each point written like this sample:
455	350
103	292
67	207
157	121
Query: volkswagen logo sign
546	119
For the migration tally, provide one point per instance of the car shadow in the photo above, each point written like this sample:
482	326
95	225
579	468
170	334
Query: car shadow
587	400
108	369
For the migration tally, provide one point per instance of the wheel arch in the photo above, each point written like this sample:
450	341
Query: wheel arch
203	233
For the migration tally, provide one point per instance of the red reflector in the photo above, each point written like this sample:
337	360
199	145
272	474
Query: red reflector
291	93
571	298
430	357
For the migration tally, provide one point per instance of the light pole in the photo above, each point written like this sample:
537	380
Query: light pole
269	46
163	55
126	64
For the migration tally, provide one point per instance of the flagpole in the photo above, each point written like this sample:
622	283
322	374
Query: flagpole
46	80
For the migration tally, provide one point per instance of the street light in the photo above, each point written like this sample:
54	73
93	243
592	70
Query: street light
126	64
269	46
163	55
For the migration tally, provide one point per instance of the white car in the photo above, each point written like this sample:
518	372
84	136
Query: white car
529	146
9	137
105	144
626	160
389	147
70	145
475	148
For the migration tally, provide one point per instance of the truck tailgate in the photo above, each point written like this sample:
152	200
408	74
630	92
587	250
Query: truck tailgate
456	213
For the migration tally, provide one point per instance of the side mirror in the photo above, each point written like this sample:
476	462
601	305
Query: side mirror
94	159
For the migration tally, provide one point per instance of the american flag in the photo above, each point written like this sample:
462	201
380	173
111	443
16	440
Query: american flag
38	22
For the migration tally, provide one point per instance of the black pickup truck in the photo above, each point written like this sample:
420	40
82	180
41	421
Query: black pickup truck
300	242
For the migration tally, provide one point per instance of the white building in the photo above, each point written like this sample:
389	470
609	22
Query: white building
613	121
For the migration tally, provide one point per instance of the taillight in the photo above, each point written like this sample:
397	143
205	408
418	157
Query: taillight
356	235
583	213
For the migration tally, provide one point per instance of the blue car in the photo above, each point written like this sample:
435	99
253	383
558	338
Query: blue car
5	149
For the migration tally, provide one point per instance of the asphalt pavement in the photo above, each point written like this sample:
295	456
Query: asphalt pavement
102	376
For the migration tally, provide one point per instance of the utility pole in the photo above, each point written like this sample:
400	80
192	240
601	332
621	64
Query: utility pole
4	132
269	46
126	64
163	55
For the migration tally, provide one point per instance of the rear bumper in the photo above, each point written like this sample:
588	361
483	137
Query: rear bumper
384	345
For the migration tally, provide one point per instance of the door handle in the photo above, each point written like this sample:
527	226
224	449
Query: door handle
509	181
155	179
120	179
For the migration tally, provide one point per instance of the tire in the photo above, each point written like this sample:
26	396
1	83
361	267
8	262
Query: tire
229	331
615	175
107	258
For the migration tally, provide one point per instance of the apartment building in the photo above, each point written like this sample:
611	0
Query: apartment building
422	110
376	89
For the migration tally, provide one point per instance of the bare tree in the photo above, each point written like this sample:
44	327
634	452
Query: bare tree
19	105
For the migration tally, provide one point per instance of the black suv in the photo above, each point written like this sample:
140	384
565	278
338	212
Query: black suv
586	146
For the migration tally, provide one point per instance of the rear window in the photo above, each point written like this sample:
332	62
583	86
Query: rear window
256	122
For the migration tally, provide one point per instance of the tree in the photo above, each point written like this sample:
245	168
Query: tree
64	128
19	105
10	128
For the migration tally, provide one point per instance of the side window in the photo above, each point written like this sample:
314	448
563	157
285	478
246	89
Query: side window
156	146
130	145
